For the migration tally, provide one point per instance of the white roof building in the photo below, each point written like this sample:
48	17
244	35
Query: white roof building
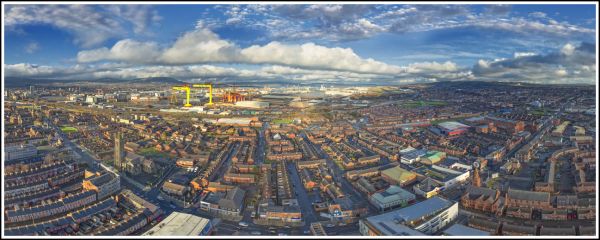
181	224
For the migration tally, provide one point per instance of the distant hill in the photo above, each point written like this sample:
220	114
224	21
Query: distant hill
26	82
157	80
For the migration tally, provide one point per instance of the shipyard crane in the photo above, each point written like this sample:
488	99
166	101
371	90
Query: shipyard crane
210	92
187	89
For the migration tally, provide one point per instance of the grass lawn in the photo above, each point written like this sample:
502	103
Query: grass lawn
539	112
68	129
424	104
152	152
283	121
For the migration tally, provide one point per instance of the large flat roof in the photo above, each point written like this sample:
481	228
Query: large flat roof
393	193
413	212
462	230
179	224
399	173
452	125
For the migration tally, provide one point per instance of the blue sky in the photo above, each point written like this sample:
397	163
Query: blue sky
388	43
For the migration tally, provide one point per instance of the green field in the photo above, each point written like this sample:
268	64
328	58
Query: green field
423	104
539	112
152	152
68	129
283	121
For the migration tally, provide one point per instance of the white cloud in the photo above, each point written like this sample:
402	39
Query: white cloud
538	14
90	24
204	46
561	72
567	49
32	47
447	66
186	73
314	56
523	54
199	46
26	69
125	50
575	65
140	16
483	63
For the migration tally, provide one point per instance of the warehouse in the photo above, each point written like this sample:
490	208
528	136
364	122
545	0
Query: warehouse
453	128
181	224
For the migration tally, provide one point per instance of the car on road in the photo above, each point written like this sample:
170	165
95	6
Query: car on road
256	233
243	224
281	234
306	232
330	225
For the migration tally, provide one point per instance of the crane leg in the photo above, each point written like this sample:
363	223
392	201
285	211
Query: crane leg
187	99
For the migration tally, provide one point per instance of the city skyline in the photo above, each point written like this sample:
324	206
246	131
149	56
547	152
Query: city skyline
383	43
321	120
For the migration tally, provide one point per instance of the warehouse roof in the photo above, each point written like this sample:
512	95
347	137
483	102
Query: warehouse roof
399	173
423	209
179	224
393	193
452	125
462	230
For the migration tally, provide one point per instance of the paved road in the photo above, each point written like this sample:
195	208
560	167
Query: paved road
308	214
338	176
85	157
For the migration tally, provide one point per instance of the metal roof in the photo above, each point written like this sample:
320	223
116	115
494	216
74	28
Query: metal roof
179	224
462	230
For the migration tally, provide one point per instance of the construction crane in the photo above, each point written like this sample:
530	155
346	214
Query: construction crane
187	89
209	86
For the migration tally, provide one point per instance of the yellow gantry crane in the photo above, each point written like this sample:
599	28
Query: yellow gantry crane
206	85
187	94
187	90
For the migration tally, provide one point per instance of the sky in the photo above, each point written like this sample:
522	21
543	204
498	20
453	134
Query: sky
295	43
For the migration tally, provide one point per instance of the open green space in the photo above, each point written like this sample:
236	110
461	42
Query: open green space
152	152
415	104
283	121
68	129
539	112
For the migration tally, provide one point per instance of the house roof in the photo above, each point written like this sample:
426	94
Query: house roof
526	229
528	195
102	179
233	199
476	192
